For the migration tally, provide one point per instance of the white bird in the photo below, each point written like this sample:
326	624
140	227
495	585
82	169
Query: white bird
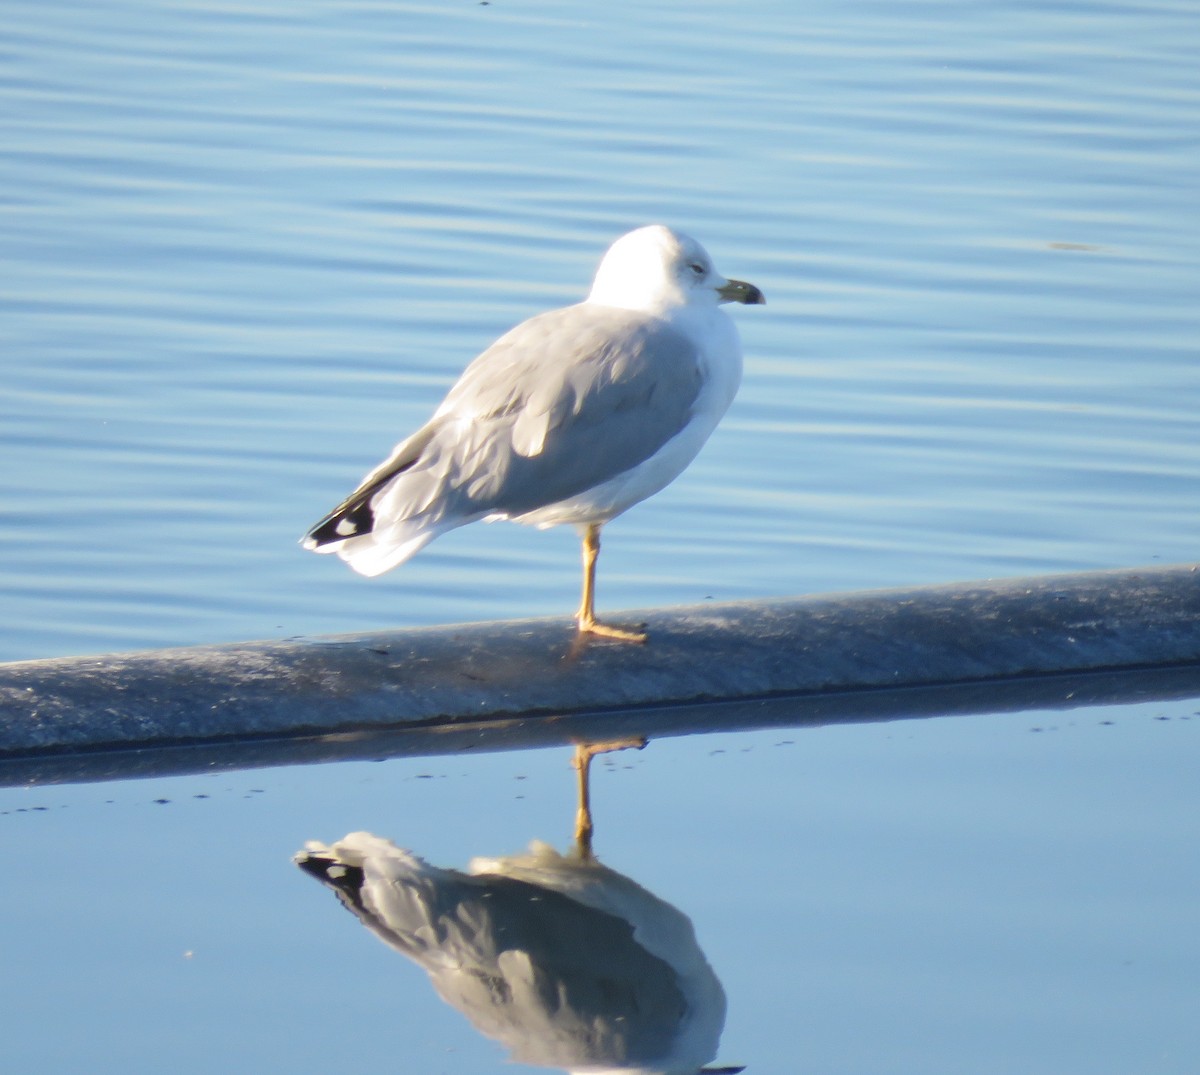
571	417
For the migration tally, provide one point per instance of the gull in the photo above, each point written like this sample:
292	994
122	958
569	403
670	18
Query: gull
571	418
566	962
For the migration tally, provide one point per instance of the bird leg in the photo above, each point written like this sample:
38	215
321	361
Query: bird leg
584	752
586	616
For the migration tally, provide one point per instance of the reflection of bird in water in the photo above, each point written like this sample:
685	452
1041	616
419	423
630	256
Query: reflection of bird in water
571	417
569	964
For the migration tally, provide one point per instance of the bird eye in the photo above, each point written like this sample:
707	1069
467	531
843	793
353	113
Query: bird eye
697	268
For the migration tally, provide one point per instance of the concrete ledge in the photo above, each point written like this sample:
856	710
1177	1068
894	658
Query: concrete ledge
876	655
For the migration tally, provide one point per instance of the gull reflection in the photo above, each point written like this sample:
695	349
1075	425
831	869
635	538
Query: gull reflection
566	962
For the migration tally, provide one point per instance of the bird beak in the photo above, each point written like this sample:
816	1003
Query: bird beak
723	1071
740	291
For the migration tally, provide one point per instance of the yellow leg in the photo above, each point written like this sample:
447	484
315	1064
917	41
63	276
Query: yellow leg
584	752
586	616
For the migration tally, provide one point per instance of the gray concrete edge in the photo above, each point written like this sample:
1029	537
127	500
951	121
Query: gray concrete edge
970	647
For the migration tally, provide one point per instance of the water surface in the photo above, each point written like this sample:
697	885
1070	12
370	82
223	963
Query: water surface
985	894
248	249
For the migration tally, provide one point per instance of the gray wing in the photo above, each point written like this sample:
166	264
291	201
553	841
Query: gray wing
561	403
570	399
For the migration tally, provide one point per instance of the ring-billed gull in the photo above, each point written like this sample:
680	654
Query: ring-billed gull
571	417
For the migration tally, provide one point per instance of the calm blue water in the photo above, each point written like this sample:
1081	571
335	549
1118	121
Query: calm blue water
992	895
244	248
247	249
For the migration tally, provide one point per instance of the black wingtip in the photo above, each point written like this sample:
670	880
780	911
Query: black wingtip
345	522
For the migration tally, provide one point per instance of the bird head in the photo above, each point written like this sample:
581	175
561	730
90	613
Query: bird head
655	269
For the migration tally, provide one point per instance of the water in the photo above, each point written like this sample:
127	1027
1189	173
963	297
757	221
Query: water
246	248
992	894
